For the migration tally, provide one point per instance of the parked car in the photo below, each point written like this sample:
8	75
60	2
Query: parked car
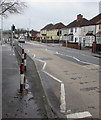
21	39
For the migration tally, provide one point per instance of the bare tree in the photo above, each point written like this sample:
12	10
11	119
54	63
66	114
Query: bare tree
11	6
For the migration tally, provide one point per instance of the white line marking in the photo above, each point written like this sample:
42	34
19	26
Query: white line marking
44	66
87	63
53	77
34	56
83	54
63	54
63	101
68	56
77	59
40	60
62	96
79	115
56	52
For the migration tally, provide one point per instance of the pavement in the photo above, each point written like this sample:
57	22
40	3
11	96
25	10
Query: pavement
14	104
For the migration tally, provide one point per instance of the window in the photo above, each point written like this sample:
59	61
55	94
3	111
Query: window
71	37
65	34
75	29
71	30
100	27
84	30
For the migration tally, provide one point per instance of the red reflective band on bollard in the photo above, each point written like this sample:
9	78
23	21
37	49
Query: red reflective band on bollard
22	68
22	50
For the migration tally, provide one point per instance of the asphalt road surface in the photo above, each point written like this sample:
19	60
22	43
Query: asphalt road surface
70	78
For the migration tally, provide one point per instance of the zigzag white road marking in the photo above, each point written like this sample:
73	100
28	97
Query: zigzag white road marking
62	97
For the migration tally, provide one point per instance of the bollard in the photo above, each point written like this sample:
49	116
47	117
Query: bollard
24	82
22	77
25	56
22	69
22	56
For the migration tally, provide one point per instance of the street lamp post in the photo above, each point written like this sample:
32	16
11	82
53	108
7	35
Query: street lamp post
1	25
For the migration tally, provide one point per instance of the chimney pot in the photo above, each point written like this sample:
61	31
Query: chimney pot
79	17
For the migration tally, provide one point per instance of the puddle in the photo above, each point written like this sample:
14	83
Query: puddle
91	107
66	71
84	82
74	78
87	82
88	89
94	81
94	69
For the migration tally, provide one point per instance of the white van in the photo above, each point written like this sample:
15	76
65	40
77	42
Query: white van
21	39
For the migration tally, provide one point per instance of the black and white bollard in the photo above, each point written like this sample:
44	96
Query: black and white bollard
24	82
22	77
22	56
22	70
25	62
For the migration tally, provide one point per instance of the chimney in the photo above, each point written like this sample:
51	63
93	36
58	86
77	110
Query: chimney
79	17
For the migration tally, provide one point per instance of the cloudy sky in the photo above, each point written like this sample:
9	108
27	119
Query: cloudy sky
42	12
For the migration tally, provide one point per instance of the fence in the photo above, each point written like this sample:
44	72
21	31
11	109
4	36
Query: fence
71	45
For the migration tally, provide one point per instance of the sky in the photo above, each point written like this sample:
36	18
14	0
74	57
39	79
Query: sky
39	13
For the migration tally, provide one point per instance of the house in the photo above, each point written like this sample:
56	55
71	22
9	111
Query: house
94	30
34	35
43	31
76	30
55	31
50	33
98	32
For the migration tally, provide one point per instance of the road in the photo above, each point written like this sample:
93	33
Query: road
70	78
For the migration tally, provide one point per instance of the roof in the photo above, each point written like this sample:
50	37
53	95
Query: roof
99	33
58	26
95	20
90	34
78	23
34	32
47	27
99	22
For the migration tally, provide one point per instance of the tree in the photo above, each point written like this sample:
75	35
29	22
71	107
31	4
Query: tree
11	6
